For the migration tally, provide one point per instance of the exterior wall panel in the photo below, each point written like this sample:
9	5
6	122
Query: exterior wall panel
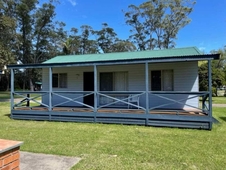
185	79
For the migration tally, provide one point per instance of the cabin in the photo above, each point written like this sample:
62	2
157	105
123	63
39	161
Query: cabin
151	88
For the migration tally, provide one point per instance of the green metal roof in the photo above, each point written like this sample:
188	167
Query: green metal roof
151	54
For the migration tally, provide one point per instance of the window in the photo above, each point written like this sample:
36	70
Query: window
162	80
114	81
59	80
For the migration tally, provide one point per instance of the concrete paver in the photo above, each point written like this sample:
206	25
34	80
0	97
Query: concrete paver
36	161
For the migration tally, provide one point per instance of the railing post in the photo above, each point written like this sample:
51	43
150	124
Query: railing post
203	103
210	91
28	101
12	90
50	92
147	90
95	92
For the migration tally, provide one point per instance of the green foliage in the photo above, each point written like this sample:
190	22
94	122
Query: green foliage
155	24
7	38
106	41
106	38
218	73
115	147
218	77
38	36
6	41
123	46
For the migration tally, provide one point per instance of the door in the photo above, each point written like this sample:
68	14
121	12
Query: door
156	80
88	85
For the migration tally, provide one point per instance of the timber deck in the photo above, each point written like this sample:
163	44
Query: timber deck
189	118
195	112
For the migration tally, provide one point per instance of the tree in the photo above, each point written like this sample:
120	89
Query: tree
106	38
87	46
218	72
71	45
123	46
39	38
156	23
7	38
134	19
80	44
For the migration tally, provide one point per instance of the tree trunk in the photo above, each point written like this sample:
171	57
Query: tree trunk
31	84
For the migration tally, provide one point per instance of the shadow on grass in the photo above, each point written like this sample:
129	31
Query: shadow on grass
8	115
4	100
223	118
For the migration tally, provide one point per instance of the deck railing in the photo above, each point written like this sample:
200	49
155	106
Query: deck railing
28	99
113	99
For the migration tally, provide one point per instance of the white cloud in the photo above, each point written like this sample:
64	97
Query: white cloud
73	2
202	49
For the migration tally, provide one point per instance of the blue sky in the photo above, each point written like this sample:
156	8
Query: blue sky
207	30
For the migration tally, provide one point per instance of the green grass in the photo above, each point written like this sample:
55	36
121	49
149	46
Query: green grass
107	146
219	100
4	95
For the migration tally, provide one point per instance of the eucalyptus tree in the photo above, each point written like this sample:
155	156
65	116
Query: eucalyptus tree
123	46
106	38
155	24
87	45
7	33
80	44
7	37
39	37
135	20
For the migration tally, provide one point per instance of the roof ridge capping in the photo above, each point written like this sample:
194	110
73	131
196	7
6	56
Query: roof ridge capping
155	50
198	50
135	55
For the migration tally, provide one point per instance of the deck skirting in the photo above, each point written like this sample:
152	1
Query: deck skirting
154	119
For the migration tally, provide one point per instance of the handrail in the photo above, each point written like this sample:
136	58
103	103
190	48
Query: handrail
26	98
125	100
73	100
114	100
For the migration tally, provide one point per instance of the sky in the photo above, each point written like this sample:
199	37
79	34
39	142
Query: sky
207	29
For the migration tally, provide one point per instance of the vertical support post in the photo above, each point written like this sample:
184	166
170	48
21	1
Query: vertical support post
147	90
95	92
210	91
12	90
28	101
50	92
203	103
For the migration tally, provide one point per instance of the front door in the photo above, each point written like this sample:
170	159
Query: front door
88	85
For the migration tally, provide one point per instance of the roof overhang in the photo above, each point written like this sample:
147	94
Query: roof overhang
117	62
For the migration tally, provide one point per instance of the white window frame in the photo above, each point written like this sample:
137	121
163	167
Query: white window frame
114	79
61	80
104	100
162	79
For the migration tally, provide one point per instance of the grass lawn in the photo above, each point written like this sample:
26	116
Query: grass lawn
219	100
107	146
4	95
